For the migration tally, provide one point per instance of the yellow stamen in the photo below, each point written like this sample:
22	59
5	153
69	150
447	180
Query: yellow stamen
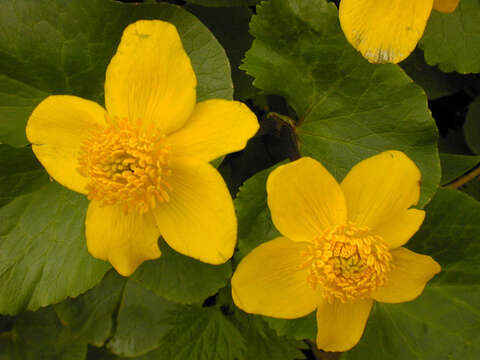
126	165
348	263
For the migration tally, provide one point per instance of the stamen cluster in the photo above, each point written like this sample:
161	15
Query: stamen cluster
348	263
126	165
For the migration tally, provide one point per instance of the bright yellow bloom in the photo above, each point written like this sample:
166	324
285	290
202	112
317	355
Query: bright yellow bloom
144	161
341	246
387	31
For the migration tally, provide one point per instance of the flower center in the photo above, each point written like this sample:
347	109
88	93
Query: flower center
126	166
348	263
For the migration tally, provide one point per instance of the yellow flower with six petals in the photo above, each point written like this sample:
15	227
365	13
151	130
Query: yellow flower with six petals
144	160
341	247
387	31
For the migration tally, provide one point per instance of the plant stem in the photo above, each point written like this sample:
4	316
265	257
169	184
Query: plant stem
465	179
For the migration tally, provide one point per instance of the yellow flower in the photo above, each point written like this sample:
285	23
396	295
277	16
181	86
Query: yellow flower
144	161
387	31
341	246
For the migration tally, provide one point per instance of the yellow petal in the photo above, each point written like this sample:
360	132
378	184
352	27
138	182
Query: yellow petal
378	192
271	281
125	240
446	6
304	199
384	30
215	128
199	219
340	326
406	281
57	128
401	228
150	78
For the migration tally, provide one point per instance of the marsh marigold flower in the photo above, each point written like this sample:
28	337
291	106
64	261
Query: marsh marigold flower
341	248
387	31
144	160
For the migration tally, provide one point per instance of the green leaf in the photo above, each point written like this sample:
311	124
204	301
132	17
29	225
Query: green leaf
347	108
21	173
148	322
471	129
40	335
43	254
453	243
89	316
453	142
472	188
255	225
180	278
228	3
64	47
155	328
230	27
17	100
301	328
454	165
200	333
143	320
444	322
452	41
151	327
6	346
435	82
262	342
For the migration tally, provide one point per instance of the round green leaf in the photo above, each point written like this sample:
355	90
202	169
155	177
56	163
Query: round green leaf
347	108
452	41
301	328
143	320
471	129
21	173
40	335
43	253
472	188
454	165
64	47
255	224
90	316
435	82
180	332
7	350
262	342
181	278
230	27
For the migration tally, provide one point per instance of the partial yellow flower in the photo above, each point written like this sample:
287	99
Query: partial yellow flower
387	31
144	160
341	247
